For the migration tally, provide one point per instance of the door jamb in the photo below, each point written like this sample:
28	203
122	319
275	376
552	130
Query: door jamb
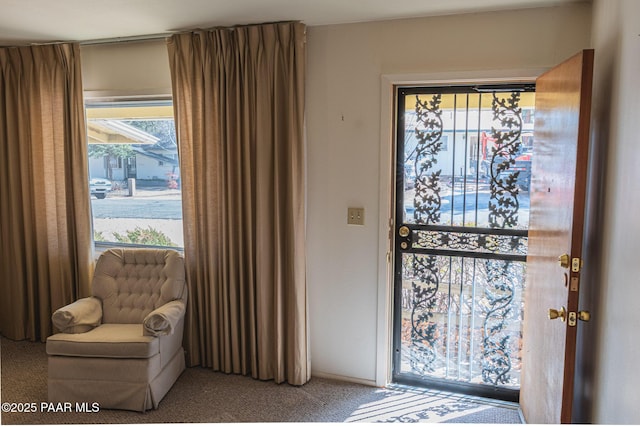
386	167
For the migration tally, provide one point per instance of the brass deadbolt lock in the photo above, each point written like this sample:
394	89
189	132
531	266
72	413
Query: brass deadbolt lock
564	260
404	231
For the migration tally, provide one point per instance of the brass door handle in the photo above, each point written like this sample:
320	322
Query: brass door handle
554	314
583	315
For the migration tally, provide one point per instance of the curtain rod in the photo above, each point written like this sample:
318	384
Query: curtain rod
158	36
142	38
139	38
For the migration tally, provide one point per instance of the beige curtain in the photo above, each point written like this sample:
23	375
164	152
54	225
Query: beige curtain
45	225
239	105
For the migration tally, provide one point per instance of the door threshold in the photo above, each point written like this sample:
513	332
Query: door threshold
488	410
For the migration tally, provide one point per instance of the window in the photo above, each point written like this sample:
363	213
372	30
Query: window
134	173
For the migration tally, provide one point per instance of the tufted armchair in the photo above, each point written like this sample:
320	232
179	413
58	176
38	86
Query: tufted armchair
122	346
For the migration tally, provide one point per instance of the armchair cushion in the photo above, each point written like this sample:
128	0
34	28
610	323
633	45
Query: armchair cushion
163	320
114	340
78	317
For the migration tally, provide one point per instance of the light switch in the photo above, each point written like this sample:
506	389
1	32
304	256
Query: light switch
355	216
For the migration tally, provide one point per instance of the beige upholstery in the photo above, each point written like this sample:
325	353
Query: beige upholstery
122	347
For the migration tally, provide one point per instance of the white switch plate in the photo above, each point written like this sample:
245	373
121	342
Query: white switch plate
355	216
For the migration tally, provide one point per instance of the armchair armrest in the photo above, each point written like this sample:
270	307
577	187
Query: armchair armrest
78	317
163	320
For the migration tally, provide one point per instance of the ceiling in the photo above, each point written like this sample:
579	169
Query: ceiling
37	21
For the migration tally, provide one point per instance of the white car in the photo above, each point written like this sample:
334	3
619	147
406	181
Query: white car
99	187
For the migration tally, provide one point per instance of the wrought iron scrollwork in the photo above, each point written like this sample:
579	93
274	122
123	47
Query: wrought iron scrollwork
423	302
470	242
428	131
502	276
506	131
503	213
427	203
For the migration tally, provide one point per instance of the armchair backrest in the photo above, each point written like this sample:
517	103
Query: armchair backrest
133	282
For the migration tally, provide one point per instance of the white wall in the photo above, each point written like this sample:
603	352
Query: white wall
616	124
148	168
344	104
126	69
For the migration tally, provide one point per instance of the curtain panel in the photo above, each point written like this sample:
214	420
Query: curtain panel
45	222
239	108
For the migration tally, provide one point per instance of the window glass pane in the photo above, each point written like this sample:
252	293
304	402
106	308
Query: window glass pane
134	173
467	158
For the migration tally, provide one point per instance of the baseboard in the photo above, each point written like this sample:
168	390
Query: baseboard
344	378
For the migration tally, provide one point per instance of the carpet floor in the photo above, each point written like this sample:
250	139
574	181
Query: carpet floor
203	396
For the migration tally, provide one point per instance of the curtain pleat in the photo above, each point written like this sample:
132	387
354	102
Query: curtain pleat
45	222
239	107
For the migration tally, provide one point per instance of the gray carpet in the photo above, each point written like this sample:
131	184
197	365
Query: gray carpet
203	396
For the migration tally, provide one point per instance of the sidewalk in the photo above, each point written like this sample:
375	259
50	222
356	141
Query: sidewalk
146	192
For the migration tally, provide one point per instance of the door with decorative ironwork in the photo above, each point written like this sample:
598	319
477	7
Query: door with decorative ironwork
463	169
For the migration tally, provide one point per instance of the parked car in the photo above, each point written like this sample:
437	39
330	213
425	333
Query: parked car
99	187
522	165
